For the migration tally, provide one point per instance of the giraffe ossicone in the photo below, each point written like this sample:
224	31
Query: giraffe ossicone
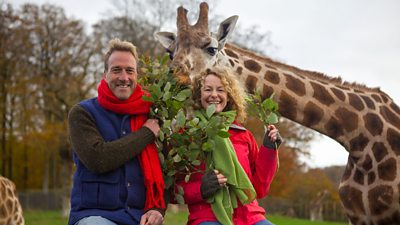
365	121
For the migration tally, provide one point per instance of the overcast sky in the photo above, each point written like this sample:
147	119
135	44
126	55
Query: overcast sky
358	40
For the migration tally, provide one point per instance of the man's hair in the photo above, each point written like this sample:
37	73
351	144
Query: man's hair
118	45
236	93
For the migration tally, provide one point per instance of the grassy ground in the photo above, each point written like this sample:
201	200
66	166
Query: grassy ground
54	218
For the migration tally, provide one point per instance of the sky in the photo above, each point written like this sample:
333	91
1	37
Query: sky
358	40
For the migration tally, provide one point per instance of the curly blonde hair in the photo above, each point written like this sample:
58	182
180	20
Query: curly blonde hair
235	91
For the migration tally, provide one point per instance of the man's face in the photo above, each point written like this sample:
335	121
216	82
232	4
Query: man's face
121	76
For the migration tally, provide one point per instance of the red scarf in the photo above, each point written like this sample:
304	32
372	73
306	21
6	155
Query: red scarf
148	158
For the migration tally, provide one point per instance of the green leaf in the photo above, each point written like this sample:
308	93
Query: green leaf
171	173
210	110
180	189
180	119
223	134
272	118
196	163
179	198
167	87
177	158
156	91
146	98
187	177
183	95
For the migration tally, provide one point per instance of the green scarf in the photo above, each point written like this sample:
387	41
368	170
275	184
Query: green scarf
224	159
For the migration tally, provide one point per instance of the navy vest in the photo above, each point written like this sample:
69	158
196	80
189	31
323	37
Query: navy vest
118	195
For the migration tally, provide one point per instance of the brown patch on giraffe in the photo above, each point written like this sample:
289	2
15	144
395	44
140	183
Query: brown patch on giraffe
376	98
384	98
393	138
373	123
394	219
312	114
287	105
272	77
295	85
387	170
267	91
231	62
358	143
381	196
355	203
334	128
347	171
348	119
231	53
379	151
358	177
239	70
389	116
355	101
371	177
251	83
338	93
395	107
370	104
367	164
321	94
252	65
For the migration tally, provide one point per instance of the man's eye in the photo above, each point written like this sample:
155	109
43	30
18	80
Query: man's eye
130	70
116	70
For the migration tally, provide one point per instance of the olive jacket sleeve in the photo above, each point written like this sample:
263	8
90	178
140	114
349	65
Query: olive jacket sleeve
96	154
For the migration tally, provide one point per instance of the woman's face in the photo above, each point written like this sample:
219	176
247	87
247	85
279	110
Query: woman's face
213	92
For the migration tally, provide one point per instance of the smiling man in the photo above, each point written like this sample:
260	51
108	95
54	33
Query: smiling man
118	177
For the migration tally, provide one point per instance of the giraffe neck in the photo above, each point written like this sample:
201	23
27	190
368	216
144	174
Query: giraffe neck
353	115
9	203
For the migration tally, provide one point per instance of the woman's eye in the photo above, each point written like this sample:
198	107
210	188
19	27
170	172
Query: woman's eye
211	50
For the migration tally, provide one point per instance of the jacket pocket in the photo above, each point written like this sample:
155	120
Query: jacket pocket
100	191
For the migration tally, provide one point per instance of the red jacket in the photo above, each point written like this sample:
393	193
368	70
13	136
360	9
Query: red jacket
260	166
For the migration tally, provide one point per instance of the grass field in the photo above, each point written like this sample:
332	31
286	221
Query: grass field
54	218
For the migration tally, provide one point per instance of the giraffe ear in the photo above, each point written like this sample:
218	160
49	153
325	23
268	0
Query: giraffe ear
225	30
166	39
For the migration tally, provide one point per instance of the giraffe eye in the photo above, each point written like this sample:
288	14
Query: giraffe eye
211	50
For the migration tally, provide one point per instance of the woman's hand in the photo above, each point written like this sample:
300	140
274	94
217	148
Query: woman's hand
272	137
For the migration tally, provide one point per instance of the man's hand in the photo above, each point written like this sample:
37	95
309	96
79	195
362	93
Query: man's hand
153	125
152	217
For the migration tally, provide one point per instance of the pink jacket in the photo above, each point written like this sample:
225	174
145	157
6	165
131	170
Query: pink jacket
260	166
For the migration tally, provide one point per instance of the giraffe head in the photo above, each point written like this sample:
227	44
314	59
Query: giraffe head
194	48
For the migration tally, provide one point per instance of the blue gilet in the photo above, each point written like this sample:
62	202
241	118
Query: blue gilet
117	195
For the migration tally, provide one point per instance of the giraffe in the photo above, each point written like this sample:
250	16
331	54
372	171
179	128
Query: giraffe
10	209
365	121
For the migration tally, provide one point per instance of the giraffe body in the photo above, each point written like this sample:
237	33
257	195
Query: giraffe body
10	209
364	120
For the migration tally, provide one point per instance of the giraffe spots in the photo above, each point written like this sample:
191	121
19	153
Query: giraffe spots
252	65
371	178
393	138
384	98
287	105
231	62
251	83
393	219
358	143
373	123
395	108
370	104
352	199
376	98
239	70
379	151
358	177
355	101
387	170
272	77
389	116
232	54
295	85
367	164
338	93
347	171
380	198
321	94
334	128
349	120
312	114
267	91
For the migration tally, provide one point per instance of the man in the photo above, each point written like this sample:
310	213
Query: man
118	177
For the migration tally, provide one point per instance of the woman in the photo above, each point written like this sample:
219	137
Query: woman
219	87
